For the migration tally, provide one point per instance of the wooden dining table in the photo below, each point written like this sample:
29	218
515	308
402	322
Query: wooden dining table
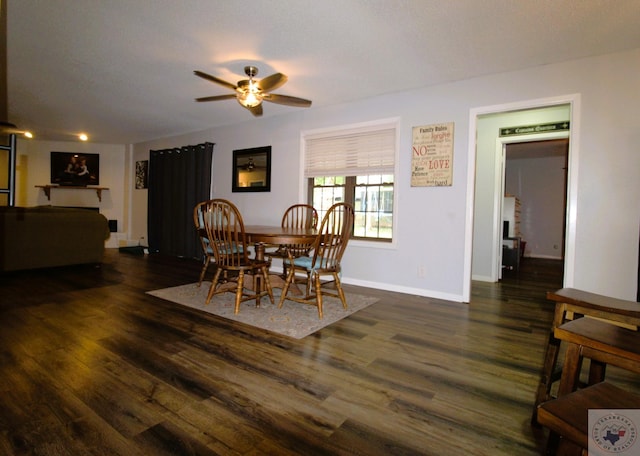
263	235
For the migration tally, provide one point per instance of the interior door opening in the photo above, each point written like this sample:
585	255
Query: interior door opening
534	204
483	236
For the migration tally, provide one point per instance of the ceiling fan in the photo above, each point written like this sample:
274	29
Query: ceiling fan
250	93
251	165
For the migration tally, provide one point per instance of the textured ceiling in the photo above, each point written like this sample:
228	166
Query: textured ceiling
122	70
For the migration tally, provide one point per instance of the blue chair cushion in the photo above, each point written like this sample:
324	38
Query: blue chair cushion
305	262
234	249
207	246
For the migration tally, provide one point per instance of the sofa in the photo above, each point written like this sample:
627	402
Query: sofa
48	236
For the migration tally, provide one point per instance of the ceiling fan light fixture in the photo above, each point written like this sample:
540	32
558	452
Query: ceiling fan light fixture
249	99
249	94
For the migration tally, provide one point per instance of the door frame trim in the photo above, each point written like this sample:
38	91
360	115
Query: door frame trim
574	100
501	165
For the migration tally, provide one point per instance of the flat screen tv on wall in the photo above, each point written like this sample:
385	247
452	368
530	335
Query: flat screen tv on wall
75	169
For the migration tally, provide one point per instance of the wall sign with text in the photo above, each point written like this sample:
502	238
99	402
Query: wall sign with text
432	156
534	129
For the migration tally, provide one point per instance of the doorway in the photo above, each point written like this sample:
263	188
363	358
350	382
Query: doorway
535	175
7	170
484	230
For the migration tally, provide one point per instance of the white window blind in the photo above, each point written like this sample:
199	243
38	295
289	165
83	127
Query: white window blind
351	152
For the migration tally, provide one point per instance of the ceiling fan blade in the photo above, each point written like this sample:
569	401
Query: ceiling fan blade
272	82
208	77
286	100
231	96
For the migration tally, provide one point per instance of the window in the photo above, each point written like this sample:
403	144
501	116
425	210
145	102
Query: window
355	165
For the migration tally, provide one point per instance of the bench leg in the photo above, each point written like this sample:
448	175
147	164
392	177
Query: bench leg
566	448
546	378
571	370
597	370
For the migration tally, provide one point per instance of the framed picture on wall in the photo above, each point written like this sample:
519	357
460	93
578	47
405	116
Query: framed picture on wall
252	170
142	169
75	169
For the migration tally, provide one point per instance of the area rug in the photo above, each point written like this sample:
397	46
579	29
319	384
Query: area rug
293	319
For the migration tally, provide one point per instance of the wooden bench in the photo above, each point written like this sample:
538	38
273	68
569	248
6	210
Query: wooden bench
598	341
567	417
572	303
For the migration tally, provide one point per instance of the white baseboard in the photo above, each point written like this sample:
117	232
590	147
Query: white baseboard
394	288
544	257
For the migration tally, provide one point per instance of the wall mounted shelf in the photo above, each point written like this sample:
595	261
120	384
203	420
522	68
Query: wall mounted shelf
47	189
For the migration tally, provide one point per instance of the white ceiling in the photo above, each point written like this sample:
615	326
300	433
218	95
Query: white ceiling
122	70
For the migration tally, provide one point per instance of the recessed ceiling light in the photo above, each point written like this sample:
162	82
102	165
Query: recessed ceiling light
83	137
28	134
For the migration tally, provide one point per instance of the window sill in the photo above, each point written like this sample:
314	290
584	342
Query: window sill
373	244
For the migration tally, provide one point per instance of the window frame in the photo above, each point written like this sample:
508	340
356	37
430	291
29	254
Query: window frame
307	183
350	186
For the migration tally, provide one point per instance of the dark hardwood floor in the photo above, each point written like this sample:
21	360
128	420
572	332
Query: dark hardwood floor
91	365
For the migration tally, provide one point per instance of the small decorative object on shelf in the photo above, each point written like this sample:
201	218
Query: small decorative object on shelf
47	189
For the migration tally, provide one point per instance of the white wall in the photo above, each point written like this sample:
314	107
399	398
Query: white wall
539	183
431	221
33	168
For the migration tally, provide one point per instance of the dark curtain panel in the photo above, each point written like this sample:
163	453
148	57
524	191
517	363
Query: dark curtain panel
178	179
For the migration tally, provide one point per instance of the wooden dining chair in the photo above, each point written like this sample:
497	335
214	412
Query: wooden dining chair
201	231
328	249
225	230
296	216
